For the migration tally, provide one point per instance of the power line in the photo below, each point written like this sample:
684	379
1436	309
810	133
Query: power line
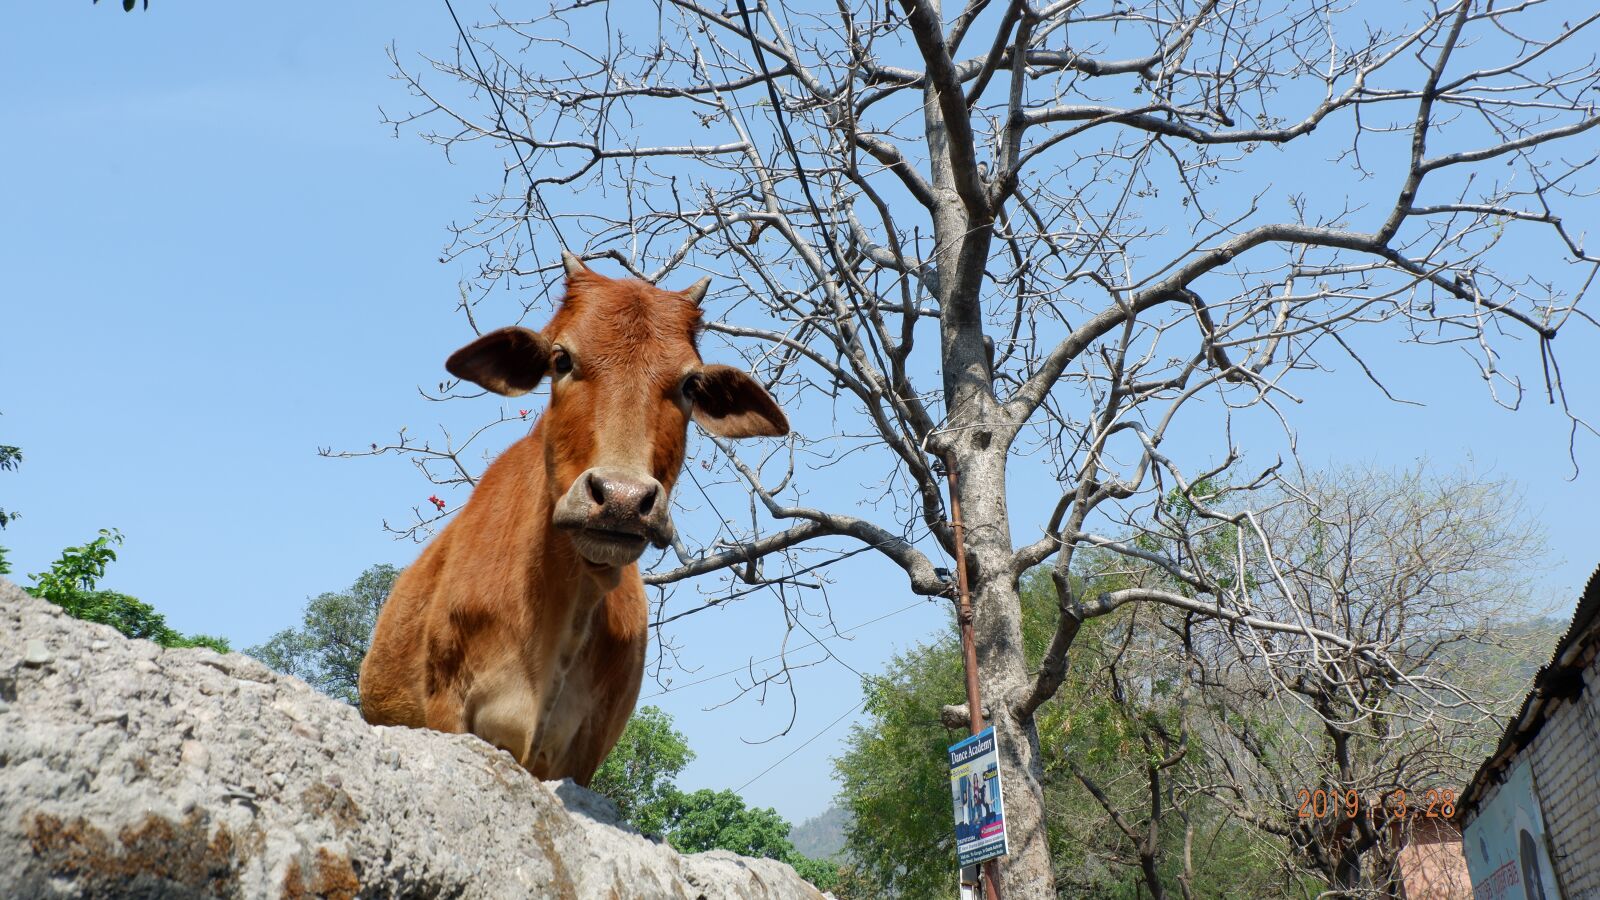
788	139
679	687
760	587
740	788
799	168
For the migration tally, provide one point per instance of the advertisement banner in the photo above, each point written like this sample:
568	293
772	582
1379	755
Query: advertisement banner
975	790
1505	845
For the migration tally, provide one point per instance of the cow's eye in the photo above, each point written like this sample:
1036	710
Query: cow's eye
562	361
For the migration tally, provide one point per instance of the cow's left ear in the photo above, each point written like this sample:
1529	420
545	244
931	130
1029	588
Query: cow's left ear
510	361
728	403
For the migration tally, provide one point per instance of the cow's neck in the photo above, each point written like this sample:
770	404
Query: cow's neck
567	599
571	591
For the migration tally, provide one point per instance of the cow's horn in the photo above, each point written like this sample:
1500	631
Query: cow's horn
697	292
573	264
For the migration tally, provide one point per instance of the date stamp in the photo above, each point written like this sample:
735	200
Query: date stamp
1433	803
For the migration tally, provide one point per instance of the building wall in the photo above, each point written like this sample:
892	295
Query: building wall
1431	864
1566	773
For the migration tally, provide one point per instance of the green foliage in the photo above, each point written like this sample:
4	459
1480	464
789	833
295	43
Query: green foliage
326	651
824	874
1420	565
894	780
72	584
213	641
712	820
74	576
638	775
895	777
10	459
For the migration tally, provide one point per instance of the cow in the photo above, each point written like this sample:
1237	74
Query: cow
525	620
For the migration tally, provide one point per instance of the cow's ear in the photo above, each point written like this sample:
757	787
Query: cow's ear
509	361
728	403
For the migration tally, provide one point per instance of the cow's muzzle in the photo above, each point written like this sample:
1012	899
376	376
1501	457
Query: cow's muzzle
613	512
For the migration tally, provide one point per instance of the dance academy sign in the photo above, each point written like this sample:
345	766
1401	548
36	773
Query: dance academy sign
975	791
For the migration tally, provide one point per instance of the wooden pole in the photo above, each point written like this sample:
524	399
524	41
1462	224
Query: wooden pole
969	650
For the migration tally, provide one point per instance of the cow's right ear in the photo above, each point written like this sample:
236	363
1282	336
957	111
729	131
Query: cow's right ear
510	361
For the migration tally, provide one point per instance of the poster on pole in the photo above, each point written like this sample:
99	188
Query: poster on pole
975	790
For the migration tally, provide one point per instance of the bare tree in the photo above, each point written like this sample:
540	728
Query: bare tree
1072	243
1337	759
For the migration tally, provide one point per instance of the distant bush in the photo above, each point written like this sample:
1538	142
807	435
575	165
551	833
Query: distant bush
10	458
72	584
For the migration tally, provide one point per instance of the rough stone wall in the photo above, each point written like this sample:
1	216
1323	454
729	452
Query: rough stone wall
131	771
1566	775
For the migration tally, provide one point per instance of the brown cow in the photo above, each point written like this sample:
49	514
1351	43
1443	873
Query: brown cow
524	621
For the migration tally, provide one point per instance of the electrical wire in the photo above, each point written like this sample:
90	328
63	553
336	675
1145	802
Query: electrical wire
746	666
858	705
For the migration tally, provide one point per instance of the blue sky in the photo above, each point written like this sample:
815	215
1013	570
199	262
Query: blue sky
214	259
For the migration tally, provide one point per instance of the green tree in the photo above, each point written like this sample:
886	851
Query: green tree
639	778
326	651
1099	743
1168	735
638	775
893	778
720	820
72	584
10	458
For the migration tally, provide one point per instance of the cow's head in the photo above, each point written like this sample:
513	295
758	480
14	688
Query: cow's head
626	378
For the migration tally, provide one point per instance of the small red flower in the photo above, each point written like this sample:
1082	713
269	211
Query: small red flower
438	504
524	412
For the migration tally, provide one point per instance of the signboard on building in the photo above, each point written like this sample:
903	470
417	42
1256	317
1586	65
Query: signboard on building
1507	853
975	790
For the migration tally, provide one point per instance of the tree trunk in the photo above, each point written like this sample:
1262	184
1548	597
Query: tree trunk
1347	873
997	631
977	438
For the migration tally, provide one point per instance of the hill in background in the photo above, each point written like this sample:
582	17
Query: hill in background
822	835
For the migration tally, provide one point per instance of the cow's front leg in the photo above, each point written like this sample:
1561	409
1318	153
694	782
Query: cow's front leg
504	713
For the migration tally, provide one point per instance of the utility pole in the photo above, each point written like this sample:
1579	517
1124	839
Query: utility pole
969	650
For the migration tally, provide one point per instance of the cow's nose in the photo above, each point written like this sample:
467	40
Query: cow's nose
622	499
